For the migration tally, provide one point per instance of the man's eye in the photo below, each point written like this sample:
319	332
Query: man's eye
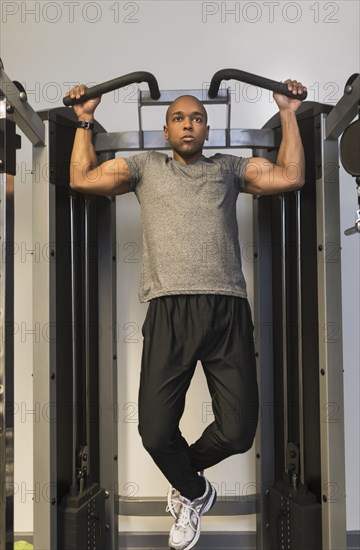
198	119
177	118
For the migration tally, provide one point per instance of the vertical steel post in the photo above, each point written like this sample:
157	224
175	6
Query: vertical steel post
73	250
299	336
108	421
263	336
330	347
45	361
284	324
6	350
3	395
87	329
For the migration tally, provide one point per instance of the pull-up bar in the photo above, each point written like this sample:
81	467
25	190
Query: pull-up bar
141	76
115	84
249	78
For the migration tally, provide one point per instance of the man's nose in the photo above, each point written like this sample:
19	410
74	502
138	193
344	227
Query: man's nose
188	123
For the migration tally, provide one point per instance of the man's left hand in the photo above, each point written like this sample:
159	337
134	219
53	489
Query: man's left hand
286	103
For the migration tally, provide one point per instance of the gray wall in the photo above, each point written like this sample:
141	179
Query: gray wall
49	46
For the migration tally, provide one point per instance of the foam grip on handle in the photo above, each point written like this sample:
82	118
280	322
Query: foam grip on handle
115	84
284	90
249	78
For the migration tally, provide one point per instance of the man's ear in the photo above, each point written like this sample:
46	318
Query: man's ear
207	133
166	132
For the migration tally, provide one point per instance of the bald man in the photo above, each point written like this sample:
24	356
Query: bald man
192	277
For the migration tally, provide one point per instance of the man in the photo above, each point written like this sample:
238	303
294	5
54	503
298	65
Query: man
192	276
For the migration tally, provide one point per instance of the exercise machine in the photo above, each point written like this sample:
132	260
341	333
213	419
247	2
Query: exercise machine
300	497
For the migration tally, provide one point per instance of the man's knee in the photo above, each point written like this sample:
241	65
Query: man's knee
242	441
153	440
239	434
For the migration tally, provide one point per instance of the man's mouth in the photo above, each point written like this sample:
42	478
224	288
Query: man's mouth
188	138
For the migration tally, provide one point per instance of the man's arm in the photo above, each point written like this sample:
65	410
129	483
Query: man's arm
109	178
262	177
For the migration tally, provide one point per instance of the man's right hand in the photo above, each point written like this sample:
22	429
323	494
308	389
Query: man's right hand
84	111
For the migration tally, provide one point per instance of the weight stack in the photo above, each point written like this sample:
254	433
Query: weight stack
84	520
295	519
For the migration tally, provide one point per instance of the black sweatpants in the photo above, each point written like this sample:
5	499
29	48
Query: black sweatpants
178	331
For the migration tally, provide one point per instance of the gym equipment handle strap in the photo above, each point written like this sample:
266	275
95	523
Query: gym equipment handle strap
115	84
242	76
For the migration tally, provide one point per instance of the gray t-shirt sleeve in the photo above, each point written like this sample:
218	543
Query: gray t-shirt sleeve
136	164
239	166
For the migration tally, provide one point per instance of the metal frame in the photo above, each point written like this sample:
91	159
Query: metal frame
218	139
266	452
131	141
325	475
25	117
344	111
155	506
47	373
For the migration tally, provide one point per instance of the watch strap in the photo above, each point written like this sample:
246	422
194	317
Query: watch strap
85	125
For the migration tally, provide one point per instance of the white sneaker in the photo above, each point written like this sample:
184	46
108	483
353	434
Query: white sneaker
186	530
173	502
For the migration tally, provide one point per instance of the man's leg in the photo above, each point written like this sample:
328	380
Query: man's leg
171	342
228	359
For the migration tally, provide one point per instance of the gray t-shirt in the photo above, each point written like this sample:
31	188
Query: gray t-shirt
190	230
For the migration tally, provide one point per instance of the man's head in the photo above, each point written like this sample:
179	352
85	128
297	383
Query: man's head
186	127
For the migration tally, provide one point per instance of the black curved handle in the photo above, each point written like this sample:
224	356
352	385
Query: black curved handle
351	79
115	84
235	74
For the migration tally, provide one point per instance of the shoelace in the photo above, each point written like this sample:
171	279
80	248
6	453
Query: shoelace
172	501
183	520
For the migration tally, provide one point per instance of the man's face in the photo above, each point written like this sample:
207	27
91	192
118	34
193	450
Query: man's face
186	128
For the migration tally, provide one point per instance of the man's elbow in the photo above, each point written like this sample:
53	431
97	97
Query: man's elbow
80	177
296	185
299	181
75	185
293	176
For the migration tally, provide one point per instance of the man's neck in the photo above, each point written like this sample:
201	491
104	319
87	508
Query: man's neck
187	160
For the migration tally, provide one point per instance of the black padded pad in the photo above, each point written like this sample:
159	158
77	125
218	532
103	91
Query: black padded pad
350	149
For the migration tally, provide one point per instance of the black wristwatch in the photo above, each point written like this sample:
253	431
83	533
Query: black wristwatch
85	124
